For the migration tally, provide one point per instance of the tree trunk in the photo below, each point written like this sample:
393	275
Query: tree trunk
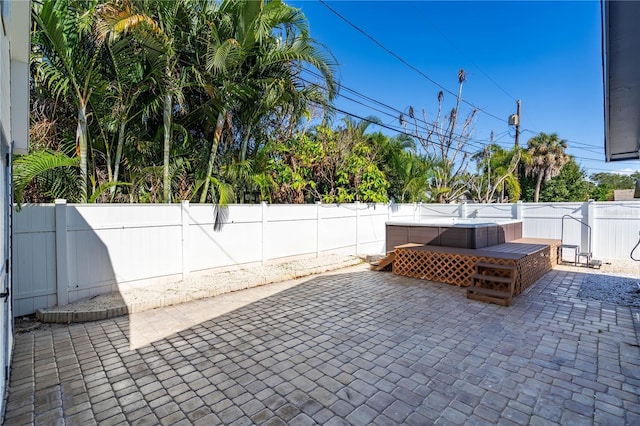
536	195
166	119
245	143
116	163
81	148
212	155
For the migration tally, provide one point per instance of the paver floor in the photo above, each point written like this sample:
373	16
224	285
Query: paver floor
356	347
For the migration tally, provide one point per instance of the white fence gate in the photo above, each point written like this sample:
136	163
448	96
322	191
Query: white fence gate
63	253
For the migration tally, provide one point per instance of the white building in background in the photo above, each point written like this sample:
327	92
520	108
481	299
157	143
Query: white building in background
14	135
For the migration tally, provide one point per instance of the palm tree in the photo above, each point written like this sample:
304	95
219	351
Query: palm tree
545	158
498	174
65	57
134	43
160	27
255	50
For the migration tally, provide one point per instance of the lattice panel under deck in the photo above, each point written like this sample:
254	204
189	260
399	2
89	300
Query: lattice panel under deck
457	269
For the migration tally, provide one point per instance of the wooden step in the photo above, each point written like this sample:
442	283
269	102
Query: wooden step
383	263
496	266
491	278
489	295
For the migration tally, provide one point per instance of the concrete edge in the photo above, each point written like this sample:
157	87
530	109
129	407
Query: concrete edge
68	317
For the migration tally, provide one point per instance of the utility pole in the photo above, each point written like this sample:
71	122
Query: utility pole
518	123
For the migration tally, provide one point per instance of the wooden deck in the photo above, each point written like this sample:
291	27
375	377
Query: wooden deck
532	258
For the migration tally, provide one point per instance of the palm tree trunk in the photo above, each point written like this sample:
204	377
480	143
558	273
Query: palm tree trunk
81	139
245	143
116	163
536	195
166	119
212	156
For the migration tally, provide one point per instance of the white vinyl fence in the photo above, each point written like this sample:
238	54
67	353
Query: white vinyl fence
65	252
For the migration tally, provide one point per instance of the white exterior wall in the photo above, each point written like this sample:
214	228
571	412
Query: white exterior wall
75	251
6	325
15	18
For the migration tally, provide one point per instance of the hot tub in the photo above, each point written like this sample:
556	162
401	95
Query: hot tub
454	232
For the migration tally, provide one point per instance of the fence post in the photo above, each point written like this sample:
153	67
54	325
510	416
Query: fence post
518	210
463	209
318	207
357	225
62	265
591	216
420	212
186	221
263	232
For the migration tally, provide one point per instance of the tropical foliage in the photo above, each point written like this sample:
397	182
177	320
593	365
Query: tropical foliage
160	101
604	184
497	178
545	158
569	185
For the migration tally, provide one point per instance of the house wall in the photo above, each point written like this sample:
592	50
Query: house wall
68	252
14	134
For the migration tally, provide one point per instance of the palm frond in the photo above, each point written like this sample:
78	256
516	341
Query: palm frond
26	168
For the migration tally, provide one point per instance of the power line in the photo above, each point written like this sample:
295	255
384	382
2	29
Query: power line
568	140
387	106
412	67
480	143
403	61
350	114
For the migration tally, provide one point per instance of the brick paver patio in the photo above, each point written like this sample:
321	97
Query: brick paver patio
357	347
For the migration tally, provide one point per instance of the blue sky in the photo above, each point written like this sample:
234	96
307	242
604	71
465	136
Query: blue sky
547	54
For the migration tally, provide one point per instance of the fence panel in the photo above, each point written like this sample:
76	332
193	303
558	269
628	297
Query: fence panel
106	247
544	220
617	229
115	244
34	259
438	211
238	242
371	228
493	211
404	212
289	230
337	228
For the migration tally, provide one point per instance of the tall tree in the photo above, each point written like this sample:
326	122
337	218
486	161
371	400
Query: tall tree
545	158
444	141
134	43
497	178
65	57
569	185
255	50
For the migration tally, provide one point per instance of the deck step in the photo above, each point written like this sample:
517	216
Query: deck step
383	263
489	295
495	266
492	278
